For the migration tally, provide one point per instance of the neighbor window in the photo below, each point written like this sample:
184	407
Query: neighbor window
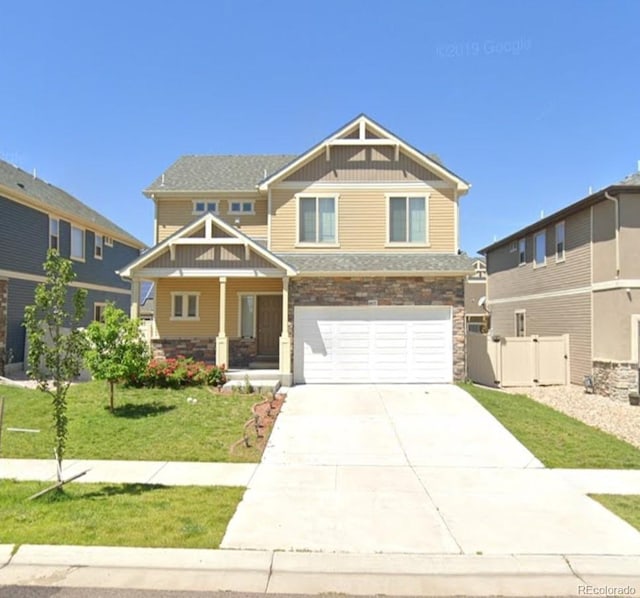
97	251
241	207
540	247
77	243
201	207
520	323
317	219
185	306
408	220
560	242
522	252
54	233
98	311
247	315
108	241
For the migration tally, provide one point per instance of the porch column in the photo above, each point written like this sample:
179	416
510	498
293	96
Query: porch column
222	342
285	340
135	298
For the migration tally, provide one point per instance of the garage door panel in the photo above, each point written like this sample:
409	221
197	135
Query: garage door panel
341	344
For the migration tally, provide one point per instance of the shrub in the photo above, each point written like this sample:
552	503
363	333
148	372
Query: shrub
178	372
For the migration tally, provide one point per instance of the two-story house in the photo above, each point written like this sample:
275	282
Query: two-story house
337	265
36	216
475	290
576	272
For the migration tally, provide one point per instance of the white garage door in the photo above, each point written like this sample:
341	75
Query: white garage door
372	344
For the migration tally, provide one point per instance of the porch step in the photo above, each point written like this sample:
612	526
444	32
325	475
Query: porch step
264	365
270	374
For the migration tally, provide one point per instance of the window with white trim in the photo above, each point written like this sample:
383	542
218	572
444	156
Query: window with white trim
242	207
408	220
560	242
520	323
98	248
98	311
202	206
108	241
522	252
77	243
317	220
247	316
185	306
539	249
54	233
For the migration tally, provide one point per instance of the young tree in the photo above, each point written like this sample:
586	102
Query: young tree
116	349
56	345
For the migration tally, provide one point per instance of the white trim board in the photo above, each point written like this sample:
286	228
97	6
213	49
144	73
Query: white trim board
76	284
533	297
209	273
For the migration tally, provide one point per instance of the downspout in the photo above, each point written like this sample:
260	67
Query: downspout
615	200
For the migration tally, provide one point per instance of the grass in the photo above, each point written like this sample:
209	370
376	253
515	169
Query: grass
625	506
117	515
147	425
554	438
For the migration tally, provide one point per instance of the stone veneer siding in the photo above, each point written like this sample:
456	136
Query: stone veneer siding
615	379
4	301
414	290
242	351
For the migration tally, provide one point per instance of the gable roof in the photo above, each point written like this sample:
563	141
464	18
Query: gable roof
185	231
431	162
629	183
224	173
47	196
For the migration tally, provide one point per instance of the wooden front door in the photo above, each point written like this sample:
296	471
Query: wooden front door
269	324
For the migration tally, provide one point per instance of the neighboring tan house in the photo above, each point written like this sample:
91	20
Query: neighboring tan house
475	291
576	272
337	265
36	216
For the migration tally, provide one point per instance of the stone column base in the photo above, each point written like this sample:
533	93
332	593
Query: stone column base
615	379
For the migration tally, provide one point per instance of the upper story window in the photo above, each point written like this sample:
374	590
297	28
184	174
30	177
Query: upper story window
560	242
54	233
108	241
408	220
98	311
539	249
522	252
242	207
317	220
98	249
202	207
77	243
185	306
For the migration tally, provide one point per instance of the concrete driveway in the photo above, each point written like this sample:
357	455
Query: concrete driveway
411	469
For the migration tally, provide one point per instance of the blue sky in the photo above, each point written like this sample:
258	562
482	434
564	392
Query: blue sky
532	102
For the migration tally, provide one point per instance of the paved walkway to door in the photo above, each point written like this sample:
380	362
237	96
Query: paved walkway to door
412	469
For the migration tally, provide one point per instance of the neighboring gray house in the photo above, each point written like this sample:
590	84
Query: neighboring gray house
576	272
35	216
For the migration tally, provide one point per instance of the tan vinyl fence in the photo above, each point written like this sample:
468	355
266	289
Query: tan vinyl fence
518	361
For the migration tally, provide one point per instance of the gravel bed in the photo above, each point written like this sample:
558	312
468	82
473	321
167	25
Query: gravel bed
615	417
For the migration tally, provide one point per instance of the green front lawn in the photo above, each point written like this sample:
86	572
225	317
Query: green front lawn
553	437
117	515
147	425
625	506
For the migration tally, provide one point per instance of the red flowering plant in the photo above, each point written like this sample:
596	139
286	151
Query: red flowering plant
178	372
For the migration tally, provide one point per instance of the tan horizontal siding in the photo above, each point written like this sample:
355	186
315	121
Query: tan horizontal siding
208	256
552	317
362	220
604	241
174	213
362	164
612	324
629	236
508	279
209	289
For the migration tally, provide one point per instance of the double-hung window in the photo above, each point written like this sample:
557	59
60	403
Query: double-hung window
54	233
560	242
408	220
77	243
203	206
317	220
522	252
98	246
185	306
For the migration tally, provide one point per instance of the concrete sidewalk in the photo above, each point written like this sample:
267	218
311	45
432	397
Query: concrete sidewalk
168	473
313	573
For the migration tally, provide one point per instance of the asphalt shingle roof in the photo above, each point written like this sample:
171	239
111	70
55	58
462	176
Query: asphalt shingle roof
60	201
632	179
224	173
420	263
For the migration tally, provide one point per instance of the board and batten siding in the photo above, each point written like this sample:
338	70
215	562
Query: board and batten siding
209	288
362	164
508	279
362	218
210	256
552	316
175	213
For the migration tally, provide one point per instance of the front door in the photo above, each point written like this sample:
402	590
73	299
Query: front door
269	324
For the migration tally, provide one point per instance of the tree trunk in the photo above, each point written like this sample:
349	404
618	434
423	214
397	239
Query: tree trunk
111	384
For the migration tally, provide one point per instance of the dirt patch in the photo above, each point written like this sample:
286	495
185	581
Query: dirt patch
258	429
